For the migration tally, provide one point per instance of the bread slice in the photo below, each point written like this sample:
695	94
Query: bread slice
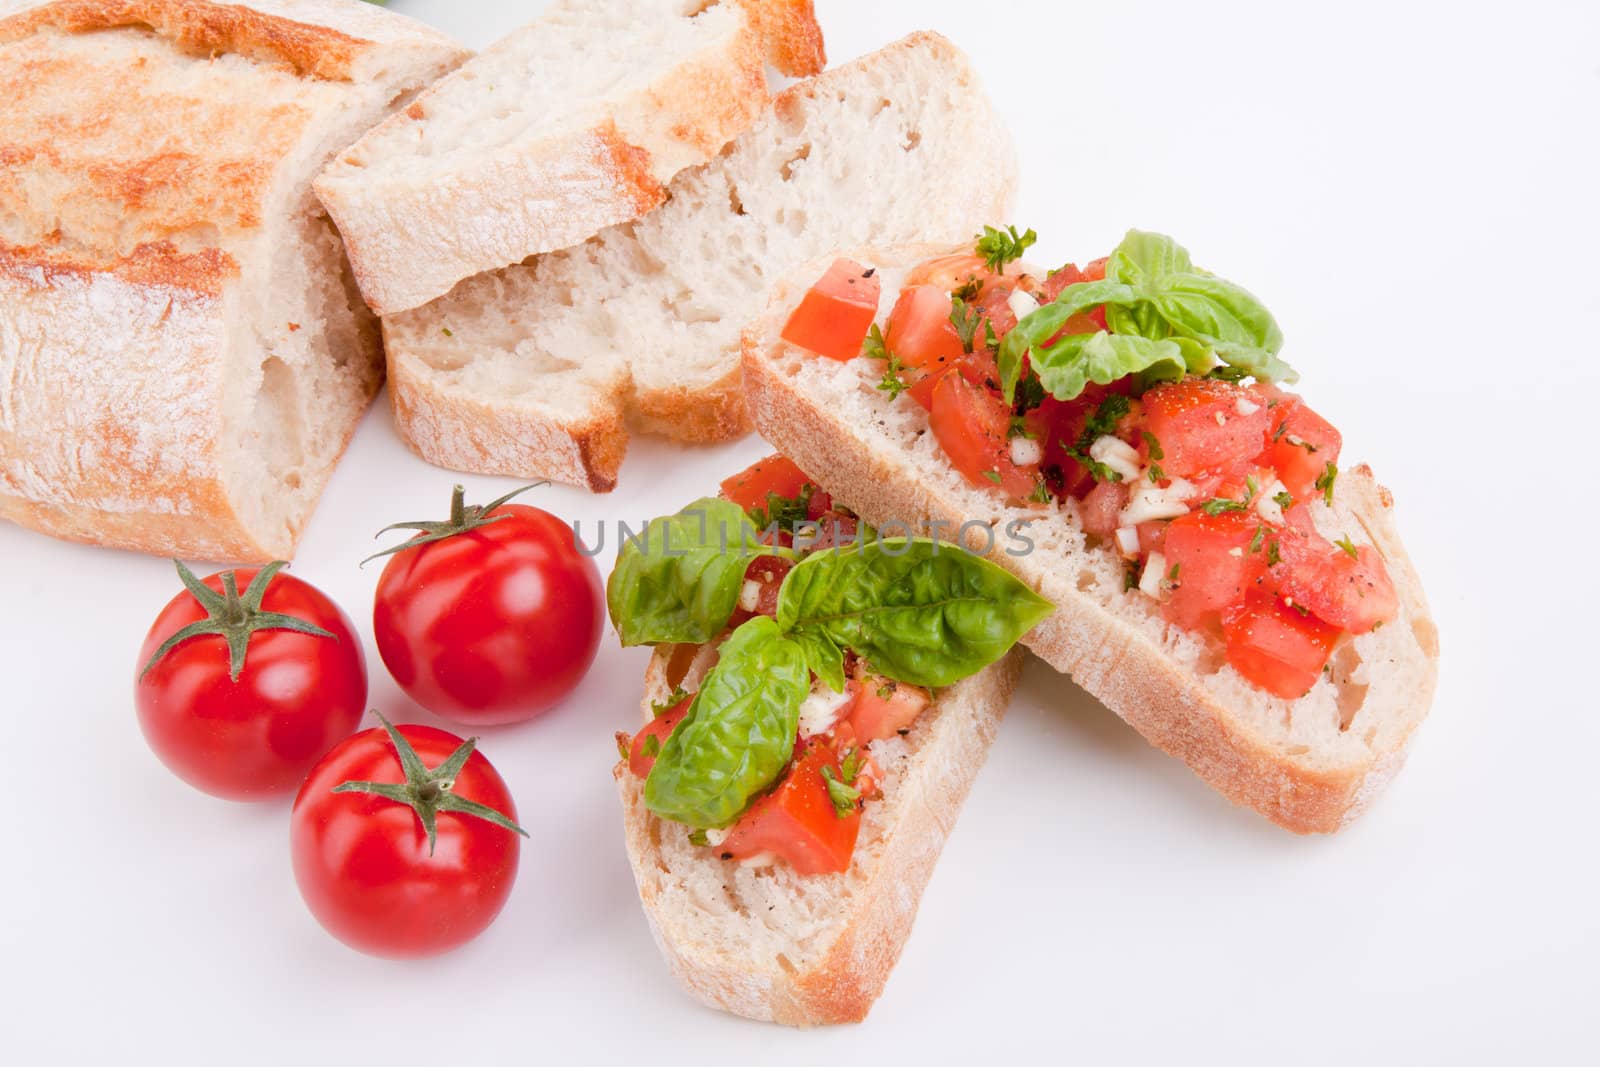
541	370
770	944
571	124
183	355
1310	765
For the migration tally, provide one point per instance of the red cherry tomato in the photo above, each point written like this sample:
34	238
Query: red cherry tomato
495	621
364	862
253	731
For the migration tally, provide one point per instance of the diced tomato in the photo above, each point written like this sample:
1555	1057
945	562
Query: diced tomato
642	751
921	335
768	573
1099	510
951	272
797	821
971	425
1091	321
775	474
1352	593
819	504
834	528
1152	537
1216	567
1274	646
1203	423
883	708
835	314
1300	445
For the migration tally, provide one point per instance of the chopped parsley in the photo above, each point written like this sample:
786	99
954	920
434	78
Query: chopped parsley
873	347
1103	422
1325	481
1255	542
850	766
1156	473
1226	373
447	331
1155	446
1220	505
1040	494
1130	575
698	837
965	319
1282	426
1030	392
652	746
845	798
1018	427
1273	558
784	512
993	476
999	247
891	382
1348	545
968	290
1283	500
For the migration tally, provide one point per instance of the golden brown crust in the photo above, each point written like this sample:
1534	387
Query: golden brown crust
203	29
701	415
793	38
1111	660
158	264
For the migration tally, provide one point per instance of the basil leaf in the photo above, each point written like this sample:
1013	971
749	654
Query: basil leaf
920	611
1041	325
824	658
1067	367
1143	258
1153	293
680	580
739	733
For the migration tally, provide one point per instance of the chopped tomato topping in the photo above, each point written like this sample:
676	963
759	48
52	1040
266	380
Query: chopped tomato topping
972	426
921	335
1352	593
1100	508
1276	647
951	272
1300	445
835	314
1216	566
767	572
646	744
797	821
775	474
883	708
1202	423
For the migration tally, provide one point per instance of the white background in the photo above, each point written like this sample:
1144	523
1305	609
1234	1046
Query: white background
1411	188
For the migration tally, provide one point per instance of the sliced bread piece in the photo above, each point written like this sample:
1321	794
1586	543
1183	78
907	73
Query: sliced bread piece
1310	765
807	950
183	355
571	124
538	370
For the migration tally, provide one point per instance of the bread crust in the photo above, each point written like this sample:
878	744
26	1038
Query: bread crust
410	241
117	297
800	985
793	37
1113	661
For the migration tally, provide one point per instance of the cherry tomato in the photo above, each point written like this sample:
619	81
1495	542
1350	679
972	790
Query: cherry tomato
835	314
491	617
365	861
248	724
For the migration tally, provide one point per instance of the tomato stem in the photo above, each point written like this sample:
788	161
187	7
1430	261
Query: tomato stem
463	518
233	617
428	792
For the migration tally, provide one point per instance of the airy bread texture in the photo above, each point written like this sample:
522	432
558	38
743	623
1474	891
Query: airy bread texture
1310	765
571	124
806	950
183	355
541	370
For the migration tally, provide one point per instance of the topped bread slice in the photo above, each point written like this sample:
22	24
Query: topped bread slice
1309	764
539	370
183	355
571	124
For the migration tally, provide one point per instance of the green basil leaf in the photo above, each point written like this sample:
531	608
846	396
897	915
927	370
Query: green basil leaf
1208	308
1067	367
739	733
823	657
1143	258
920	611
1041	325
680	580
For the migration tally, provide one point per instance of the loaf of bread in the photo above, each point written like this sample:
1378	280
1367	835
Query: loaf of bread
568	125
183	353
542	370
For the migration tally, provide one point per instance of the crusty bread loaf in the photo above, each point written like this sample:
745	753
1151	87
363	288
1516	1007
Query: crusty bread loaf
538	370
806	950
183	356
1310	765
568	125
